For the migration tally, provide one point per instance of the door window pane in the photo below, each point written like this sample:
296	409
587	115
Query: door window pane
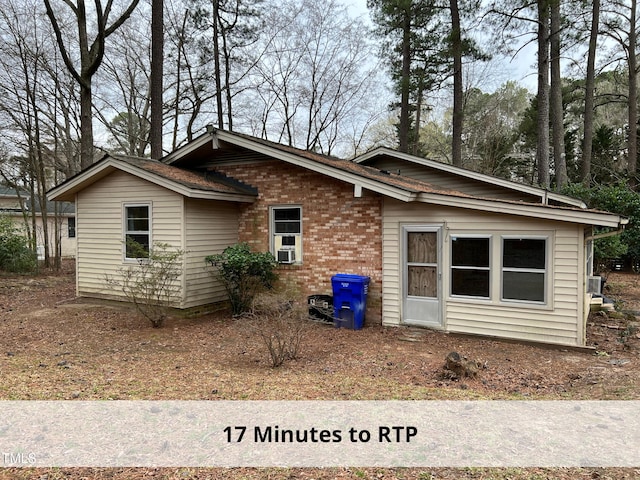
423	281
422	247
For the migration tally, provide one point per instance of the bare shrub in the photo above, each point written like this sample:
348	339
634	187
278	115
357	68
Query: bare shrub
151	283
280	323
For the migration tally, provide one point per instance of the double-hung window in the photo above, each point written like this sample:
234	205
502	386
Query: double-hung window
137	231
524	269
471	266
286	233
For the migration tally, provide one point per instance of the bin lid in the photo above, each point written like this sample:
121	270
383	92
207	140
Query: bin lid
353	278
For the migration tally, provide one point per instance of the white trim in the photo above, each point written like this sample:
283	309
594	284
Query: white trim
544	195
489	268
314	166
110	164
125	228
563	214
272	231
546	272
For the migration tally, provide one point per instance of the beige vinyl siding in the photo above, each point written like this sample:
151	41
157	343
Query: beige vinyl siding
449	180
560	320
211	226
100	226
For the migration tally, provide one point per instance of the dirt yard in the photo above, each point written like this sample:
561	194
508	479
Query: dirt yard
54	347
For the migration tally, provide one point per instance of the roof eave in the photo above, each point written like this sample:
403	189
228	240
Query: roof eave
584	217
67	191
544	195
382	188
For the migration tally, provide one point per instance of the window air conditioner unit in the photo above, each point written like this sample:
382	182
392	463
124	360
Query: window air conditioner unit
286	256
594	284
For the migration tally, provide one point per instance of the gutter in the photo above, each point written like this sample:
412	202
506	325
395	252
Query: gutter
623	222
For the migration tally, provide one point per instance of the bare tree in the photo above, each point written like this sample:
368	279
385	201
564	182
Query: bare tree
312	73
90	53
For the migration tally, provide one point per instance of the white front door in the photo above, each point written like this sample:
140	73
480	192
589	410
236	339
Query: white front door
421	276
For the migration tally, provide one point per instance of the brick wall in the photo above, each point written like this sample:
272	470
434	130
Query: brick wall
340	233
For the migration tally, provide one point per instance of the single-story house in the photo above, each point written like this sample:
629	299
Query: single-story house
444	247
60	218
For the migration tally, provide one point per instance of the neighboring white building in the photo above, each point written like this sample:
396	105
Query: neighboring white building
10	205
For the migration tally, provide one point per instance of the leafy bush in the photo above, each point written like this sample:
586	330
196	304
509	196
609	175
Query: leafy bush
244	274
150	284
619	199
280	324
15	254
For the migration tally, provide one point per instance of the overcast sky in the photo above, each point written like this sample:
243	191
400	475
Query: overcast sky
521	68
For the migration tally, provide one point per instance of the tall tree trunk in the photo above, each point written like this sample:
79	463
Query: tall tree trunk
458	114
542	147
587	140
86	124
403	128
91	56
216	62
557	114
157	54
416	136
632	147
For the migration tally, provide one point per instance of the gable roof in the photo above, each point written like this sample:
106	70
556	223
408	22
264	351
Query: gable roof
185	182
388	184
544	195
10	193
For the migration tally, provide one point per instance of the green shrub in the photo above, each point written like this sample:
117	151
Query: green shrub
619	199
244	274
15	254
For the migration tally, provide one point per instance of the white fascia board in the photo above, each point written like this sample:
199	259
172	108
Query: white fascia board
109	165
529	210
327	170
183	189
501	182
190	147
82	180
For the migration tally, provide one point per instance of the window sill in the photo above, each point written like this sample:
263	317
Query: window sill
487	302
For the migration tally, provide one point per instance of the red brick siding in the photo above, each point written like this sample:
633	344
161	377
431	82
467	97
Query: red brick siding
340	233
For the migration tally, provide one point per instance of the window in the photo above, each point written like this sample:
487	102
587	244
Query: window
524	269
71	227
470	266
286	233
137	235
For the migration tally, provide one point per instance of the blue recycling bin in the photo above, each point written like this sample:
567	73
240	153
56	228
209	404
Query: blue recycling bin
349	300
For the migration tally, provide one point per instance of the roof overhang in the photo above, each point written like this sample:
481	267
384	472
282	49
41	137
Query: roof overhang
575	212
559	214
541	193
66	191
213	138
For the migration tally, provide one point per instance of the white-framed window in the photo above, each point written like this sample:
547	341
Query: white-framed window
71	227
524	270
471	266
137	230
286	233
